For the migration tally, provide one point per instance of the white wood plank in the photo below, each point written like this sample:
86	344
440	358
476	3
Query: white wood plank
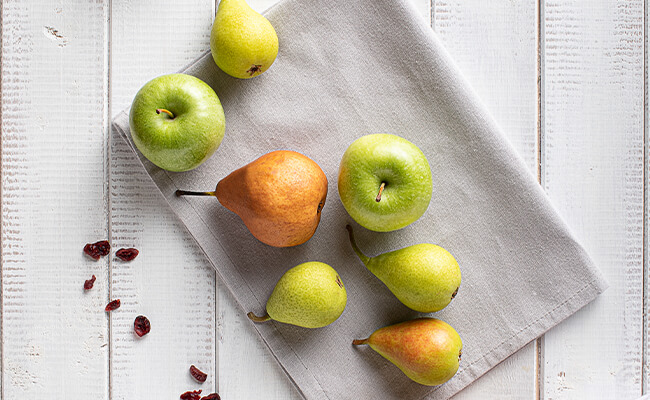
54	198
592	168
495	46
170	282
247	370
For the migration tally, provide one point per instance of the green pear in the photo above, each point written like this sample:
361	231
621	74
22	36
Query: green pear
243	43
424	277
427	350
310	295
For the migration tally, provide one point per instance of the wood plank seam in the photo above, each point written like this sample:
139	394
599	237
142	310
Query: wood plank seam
217	305
2	341
539	342
432	14
644	261
107	176
107	185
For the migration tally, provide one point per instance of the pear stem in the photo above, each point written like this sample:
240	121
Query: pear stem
255	318
190	193
358	342
364	258
162	110
254	69
381	189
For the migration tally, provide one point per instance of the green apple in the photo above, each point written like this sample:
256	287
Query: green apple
384	182
177	122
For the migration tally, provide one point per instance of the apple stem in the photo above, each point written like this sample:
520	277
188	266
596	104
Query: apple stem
162	110
381	189
358	342
189	193
356	249
255	318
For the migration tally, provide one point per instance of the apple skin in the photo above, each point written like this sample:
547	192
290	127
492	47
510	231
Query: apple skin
373	159
184	142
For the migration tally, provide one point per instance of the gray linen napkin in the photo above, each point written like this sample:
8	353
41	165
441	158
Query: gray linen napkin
347	68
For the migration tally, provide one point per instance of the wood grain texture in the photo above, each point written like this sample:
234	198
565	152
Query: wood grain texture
247	370
592	169
495	47
171	281
54	198
62	185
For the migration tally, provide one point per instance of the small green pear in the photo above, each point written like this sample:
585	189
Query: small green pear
427	350
243	43
311	295
424	277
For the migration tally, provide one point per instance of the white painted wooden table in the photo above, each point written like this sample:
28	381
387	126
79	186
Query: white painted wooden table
565	79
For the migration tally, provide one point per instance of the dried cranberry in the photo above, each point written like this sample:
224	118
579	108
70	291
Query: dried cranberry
198	374
127	254
113	305
97	249
104	247
89	283
211	396
92	251
193	395
142	326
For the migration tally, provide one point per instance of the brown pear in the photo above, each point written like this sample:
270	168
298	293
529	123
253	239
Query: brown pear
427	350
279	197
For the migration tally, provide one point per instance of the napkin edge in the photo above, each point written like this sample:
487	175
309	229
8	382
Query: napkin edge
479	367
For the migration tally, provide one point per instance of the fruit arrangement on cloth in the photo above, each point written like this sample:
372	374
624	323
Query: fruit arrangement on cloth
384	183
